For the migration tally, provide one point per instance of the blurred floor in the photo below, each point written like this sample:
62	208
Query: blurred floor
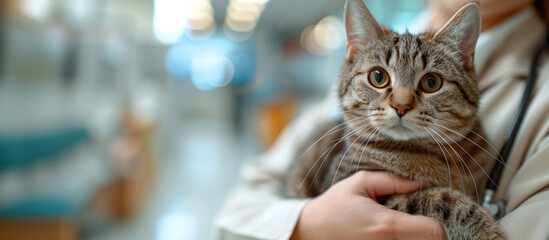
198	168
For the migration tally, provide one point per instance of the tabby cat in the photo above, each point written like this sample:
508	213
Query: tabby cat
410	107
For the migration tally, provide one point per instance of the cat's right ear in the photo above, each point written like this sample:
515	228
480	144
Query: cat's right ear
361	27
462	31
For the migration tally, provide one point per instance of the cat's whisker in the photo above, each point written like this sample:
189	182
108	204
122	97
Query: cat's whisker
476	162
364	147
446	120
457	155
354	155
327	153
445	147
339	111
365	119
455	164
483	149
446	159
330	151
473	132
461	161
341	126
346	151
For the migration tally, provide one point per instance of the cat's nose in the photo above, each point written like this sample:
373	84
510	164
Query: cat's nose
401	109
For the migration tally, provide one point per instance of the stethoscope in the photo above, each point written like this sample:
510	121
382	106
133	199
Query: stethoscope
497	209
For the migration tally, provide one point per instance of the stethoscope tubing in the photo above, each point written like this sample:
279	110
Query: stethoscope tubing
491	187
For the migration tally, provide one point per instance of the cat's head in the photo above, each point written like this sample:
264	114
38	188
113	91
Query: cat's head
402	85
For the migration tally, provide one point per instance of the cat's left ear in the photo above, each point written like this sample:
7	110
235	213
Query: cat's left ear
361	27
463	31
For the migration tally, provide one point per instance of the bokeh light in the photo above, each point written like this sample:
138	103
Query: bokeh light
211	64
208	73
169	20
323	37
37	9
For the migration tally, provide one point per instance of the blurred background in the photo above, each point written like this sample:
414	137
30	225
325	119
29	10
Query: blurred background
129	119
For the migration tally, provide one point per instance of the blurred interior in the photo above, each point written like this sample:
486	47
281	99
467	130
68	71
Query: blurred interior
129	119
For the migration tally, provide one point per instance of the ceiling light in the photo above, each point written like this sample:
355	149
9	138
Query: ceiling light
240	22
259	2
169	21
242	16
37	9
237	7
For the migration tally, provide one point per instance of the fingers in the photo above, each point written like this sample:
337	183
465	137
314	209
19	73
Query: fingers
406	226
376	184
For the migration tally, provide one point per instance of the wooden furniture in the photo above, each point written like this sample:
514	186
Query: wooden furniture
44	229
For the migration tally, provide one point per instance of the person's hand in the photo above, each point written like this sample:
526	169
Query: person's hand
349	210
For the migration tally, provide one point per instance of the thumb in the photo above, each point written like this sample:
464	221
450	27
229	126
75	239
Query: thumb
377	184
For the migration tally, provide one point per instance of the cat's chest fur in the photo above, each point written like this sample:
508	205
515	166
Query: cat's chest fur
406	159
460	165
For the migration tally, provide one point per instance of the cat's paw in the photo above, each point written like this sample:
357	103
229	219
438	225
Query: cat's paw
461	217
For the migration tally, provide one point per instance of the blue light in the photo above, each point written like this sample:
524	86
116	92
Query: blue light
213	63
175	225
178	60
208	73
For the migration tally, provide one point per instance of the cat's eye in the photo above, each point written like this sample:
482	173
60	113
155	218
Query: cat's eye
430	83
378	78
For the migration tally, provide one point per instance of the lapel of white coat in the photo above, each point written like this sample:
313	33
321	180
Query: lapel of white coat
513	59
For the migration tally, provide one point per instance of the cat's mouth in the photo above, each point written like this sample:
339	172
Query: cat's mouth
400	130
399	127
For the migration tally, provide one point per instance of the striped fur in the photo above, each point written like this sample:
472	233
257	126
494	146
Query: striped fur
439	141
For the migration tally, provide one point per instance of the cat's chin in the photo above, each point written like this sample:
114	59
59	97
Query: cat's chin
400	133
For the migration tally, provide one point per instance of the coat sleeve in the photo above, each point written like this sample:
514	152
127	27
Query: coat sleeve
255	208
529	219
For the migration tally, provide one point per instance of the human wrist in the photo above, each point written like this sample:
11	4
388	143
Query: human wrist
304	223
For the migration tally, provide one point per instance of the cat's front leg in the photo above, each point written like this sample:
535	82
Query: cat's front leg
461	217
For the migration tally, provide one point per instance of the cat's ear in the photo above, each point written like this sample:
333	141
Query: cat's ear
361	27
463	31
